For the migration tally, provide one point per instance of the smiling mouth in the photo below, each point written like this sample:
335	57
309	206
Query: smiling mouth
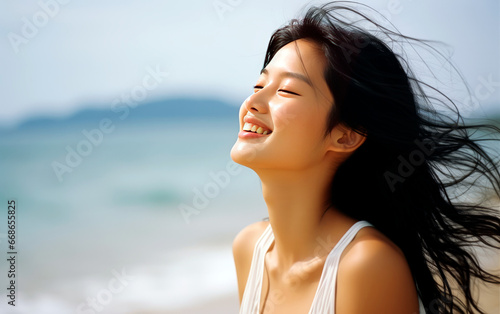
249	127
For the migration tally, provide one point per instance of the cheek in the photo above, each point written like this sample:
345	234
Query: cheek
301	131
284	117
299	120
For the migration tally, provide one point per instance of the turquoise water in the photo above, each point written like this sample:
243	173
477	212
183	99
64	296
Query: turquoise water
118	211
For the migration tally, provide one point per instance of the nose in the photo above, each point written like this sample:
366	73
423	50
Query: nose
258	102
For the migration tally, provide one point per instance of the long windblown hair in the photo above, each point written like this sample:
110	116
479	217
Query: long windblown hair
417	162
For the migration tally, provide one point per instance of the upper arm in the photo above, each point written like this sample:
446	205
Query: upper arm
374	277
243	247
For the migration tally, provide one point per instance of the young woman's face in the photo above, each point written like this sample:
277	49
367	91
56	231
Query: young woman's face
287	112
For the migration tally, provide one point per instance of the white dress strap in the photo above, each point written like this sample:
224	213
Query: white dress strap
251	297
324	300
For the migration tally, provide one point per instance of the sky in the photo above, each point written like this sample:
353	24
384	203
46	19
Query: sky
58	56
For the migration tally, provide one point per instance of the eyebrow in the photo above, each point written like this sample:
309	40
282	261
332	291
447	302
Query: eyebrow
292	75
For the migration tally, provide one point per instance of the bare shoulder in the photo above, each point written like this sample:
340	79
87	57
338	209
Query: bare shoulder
373	269
244	242
243	247
370	246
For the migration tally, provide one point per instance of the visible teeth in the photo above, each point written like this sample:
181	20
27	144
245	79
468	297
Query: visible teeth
247	126
255	128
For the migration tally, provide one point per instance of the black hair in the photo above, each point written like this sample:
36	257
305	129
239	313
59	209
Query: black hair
415	159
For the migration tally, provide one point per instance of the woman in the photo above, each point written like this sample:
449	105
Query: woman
358	172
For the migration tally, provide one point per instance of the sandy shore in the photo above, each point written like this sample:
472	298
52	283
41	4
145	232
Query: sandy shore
489	295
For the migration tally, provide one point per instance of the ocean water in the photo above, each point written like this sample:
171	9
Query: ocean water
108	237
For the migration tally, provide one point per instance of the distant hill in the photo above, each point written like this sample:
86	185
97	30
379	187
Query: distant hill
169	109
159	110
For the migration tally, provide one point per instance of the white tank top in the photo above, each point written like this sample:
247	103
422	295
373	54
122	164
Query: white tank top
324	299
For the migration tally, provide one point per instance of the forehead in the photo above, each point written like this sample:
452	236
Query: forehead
300	56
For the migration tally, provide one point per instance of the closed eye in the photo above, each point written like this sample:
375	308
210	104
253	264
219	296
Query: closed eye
287	91
279	90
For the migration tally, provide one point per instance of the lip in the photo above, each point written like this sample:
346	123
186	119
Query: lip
246	135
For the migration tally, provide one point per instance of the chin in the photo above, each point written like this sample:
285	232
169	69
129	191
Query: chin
246	155
241	154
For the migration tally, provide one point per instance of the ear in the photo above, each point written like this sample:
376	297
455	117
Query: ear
344	139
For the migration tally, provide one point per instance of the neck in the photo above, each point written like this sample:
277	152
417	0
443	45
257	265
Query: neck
298	211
